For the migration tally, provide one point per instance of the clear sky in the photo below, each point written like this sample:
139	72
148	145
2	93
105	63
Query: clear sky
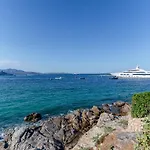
87	36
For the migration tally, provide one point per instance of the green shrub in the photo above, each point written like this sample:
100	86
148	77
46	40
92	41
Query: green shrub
140	105
85	148
108	130
124	123
96	138
144	139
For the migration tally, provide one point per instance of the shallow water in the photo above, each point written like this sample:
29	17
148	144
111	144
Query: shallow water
20	96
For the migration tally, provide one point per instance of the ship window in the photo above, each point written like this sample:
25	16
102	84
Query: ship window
141	74
133	72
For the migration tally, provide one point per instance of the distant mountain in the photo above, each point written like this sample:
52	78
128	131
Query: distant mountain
2	73
18	72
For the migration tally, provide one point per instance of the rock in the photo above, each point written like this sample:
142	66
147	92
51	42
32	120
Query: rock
84	115
85	119
122	108
33	139
52	126
34	117
119	141
119	103
95	110
77	113
104	117
89	114
76	123
69	116
125	109
3	145
106	108
62	131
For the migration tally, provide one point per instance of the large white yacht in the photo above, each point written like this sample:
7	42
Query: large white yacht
133	73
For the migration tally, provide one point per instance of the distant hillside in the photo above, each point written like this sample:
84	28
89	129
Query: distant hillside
2	73
17	72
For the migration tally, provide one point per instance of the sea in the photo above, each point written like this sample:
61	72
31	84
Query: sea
58	94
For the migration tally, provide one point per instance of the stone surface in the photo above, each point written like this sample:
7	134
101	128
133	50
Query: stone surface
54	133
106	108
121	108
75	131
125	109
34	117
104	117
119	141
119	103
96	110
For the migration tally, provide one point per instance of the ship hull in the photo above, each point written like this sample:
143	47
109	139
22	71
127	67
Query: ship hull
130	75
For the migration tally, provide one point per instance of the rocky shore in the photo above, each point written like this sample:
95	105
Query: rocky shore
106	127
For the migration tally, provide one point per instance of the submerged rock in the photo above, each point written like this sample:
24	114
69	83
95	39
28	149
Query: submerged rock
34	117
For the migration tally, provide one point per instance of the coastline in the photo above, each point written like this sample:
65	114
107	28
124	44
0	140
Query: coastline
64	131
22	96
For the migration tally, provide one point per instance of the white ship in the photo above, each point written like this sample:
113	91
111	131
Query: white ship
133	73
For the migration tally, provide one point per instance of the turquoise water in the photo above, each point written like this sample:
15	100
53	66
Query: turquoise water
20	96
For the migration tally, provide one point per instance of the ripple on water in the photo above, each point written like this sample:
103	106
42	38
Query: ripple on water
20	96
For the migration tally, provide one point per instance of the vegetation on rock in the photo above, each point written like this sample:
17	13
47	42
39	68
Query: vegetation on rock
141	108
140	105
144	139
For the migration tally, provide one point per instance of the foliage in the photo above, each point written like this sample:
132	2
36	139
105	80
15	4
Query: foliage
140	105
96	138
144	139
85	148
124	123
108	130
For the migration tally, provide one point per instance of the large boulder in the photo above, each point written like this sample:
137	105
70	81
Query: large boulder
89	113
119	103
104	117
106	108
34	117
85	119
125	109
96	110
34	138
119	141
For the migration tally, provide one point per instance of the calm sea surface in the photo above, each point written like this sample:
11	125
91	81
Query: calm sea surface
20	96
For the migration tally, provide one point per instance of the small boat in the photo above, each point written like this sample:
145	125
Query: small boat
58	78
114	77
82	78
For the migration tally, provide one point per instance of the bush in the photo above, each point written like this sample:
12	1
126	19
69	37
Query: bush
140	105
144	139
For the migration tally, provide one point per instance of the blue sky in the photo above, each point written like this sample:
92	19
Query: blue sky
74	35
